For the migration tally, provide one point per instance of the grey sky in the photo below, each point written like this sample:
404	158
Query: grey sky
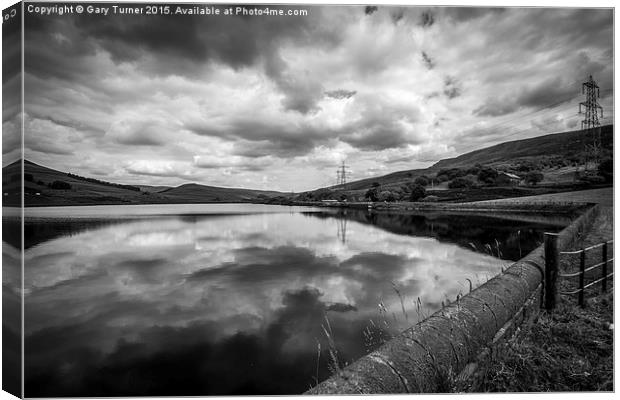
278	102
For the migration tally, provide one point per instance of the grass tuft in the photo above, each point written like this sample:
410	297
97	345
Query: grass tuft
570	349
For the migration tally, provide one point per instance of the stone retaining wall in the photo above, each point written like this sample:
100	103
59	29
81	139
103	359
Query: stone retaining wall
419	358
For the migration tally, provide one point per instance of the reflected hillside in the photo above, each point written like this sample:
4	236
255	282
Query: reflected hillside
48	223
505	238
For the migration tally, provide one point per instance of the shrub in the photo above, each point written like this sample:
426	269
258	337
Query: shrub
452	173
473	179
323	194
487	175
97	181
442	178
59	185
473	170
460	183
417	192
386	195
606	169
403	196
421	181
533	177
371	194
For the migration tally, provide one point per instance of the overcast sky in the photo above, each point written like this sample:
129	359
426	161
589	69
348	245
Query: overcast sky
279	102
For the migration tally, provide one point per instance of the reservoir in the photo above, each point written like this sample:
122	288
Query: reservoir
238	298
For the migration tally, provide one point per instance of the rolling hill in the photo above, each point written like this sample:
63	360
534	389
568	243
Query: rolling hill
194	193
40	190
564	144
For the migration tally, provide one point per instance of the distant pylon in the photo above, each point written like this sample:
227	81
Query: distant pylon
591	122
341	174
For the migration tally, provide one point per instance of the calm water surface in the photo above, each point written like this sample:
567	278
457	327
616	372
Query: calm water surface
236	299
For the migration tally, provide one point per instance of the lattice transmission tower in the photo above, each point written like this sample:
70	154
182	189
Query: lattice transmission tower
591	123
342	173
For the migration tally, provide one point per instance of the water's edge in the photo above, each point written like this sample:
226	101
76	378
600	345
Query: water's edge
448	340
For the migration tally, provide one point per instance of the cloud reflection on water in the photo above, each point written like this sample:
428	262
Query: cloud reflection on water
196	306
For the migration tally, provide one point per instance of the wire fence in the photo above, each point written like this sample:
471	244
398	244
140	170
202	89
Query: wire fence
588	275
589	271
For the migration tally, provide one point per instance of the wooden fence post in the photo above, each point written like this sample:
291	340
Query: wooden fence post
551	269
604	285
582	276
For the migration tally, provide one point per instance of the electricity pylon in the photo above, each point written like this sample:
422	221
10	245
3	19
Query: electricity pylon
591	123
341	174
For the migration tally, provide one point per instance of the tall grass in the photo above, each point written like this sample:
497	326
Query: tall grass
334	363
387	324
569	349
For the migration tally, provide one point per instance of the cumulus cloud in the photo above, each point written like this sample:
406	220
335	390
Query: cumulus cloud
464	14
451	87
547	93
397	15
495	107
385	88
46	137
301	90
427	60
237	162
427	19
544	94
159	168
138	133
340	94
11	140
384	124
370	9
257	138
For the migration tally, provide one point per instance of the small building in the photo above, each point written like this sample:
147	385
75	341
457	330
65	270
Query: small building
507	179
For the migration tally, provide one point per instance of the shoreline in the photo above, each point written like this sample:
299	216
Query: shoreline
340	204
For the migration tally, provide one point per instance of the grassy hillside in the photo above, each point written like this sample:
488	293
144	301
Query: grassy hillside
566	144
557	156
195	193
45	187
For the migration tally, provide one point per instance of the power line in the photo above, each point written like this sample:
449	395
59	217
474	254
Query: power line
526	124
549	108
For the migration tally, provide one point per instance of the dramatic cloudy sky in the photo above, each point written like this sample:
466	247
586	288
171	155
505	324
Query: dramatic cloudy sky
279	102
